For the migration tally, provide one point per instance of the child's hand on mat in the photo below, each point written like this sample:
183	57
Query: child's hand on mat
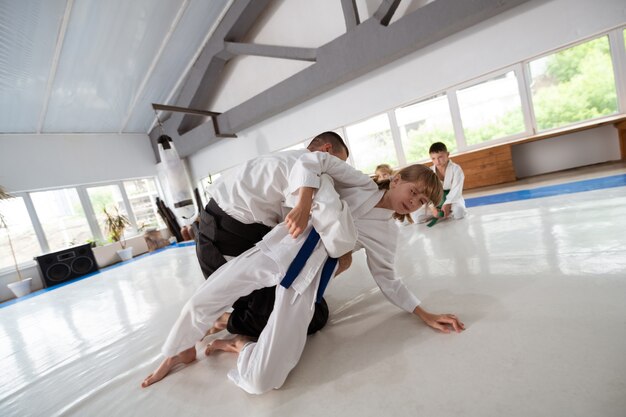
442	322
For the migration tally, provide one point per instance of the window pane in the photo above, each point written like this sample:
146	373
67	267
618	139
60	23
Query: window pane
421	124
107	197
142	195
573	85
371	144
62	218
491	109
23	237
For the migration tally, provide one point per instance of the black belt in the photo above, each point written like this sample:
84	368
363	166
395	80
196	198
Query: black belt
229	234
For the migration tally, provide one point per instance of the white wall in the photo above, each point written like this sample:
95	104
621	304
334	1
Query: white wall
30	162
564	152
519	34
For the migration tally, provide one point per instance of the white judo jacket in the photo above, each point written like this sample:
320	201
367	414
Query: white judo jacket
453	181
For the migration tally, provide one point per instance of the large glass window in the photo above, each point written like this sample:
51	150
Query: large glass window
491	109
62	218
23	238
371	144
421	124
109	198
142	196
573	85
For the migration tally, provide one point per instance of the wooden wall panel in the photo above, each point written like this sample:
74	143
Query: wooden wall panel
487	166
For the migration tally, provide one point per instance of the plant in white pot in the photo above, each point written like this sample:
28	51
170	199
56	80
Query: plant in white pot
115	224
20	287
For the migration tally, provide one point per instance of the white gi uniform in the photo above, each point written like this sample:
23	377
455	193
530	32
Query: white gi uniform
453	182
265	364
259	192
353	223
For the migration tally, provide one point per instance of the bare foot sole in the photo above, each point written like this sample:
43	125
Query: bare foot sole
233	345
185	357
219	325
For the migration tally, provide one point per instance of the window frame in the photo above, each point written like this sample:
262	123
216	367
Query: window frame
87	207
395	137
421	100
619	79
525	107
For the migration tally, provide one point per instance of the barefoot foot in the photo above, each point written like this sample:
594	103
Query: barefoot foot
219	325
227	345
185	357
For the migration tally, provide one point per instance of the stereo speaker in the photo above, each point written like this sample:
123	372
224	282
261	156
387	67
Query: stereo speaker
65	265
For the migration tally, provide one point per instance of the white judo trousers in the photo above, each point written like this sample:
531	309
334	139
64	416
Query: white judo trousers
265	364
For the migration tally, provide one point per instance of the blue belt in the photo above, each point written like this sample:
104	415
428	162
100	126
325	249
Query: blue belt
298	263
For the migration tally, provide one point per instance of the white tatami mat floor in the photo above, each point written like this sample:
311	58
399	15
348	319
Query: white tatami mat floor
540	285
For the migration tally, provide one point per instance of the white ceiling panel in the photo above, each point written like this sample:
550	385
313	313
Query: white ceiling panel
177	56
28	35
108	48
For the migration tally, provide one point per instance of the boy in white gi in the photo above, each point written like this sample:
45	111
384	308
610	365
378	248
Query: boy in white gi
452	177
265	364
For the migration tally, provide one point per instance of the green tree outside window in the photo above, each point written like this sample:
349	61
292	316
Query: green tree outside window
573	85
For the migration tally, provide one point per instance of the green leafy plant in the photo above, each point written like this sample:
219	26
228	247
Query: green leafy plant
95	242
3	224
115	224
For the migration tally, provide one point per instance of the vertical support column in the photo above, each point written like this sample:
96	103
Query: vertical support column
397	138
621	131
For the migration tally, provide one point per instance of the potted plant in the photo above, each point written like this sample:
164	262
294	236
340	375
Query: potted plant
115	224
22	286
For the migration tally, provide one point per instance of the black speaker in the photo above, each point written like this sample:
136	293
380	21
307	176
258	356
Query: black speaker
58	267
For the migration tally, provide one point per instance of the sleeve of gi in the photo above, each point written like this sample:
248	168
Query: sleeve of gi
332	219
456	186
308	168
380	260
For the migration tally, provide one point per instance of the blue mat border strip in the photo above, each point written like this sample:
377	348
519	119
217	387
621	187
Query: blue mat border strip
549	191
106	268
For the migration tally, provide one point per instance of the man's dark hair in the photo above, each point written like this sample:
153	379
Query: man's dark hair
329	137
437	147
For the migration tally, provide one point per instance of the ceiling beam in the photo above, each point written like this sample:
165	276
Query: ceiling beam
176	109
386	10
272	51
195	112
55	63
350	14
365	48
174	92
157	57
199	90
